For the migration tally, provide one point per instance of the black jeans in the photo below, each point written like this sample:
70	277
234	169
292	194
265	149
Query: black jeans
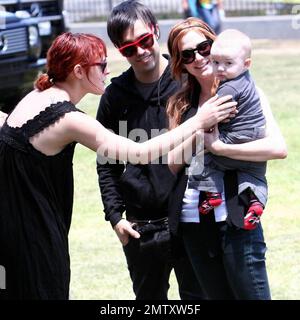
150	270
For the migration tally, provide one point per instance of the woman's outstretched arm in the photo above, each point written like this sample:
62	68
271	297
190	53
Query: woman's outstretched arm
271	147
91	133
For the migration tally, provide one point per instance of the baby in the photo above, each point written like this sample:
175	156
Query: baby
231	59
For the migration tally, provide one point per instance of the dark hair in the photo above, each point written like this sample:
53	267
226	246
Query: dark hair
66	51
124	16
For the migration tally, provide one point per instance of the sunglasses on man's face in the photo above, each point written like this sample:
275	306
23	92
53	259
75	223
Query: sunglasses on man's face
130	49
102	65
203	48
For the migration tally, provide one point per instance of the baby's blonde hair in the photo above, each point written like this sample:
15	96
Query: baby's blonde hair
235	38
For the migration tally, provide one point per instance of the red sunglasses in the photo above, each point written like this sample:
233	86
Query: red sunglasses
130	49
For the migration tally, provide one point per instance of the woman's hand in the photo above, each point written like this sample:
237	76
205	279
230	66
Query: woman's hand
230	117
215	110
212	142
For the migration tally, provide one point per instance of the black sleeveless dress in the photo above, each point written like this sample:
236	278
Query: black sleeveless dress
36	198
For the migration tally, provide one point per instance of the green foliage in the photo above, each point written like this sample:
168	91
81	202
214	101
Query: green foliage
98	265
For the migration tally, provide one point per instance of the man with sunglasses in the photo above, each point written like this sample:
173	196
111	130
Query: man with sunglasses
138	99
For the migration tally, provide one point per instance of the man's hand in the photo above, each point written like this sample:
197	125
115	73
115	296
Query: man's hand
123	230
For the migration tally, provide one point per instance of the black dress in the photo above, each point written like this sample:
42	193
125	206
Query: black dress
36	198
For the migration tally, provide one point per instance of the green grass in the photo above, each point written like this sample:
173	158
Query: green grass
277	72
99	270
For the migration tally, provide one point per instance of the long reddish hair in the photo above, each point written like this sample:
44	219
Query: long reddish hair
178	103
66	51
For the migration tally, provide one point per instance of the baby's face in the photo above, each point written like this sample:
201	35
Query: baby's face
228	63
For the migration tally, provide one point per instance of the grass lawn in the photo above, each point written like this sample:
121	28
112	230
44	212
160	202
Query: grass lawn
99	270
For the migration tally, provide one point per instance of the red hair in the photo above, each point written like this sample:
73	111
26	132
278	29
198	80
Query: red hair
66	51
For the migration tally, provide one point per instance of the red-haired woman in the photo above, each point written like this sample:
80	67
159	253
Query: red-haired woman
229	261
37	142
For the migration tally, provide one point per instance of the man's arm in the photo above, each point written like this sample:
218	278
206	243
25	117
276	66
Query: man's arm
109	178
109	174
